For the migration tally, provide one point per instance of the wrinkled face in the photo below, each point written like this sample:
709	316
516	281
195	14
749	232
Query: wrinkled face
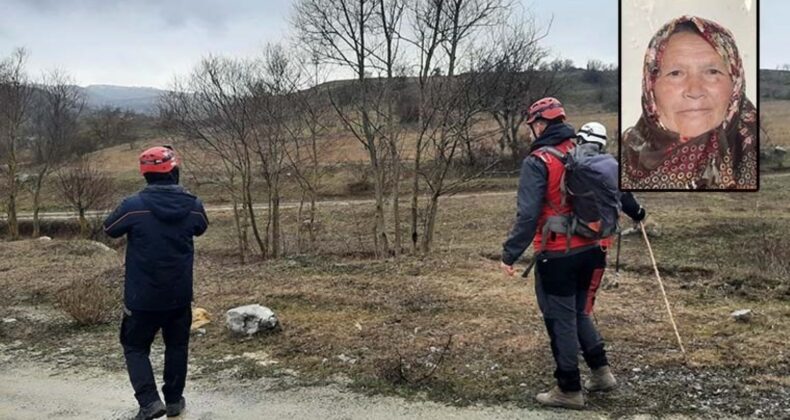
693	86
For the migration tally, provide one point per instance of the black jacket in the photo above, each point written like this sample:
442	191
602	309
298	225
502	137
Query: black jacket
160	222
631	207
531	191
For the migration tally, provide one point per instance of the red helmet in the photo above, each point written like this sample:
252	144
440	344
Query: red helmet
547	108
159	159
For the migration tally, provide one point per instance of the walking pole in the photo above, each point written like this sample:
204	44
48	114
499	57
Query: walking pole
617	260
661	284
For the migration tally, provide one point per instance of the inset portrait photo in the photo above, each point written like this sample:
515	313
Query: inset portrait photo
688	81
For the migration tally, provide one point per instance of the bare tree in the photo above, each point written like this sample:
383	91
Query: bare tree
111	125
84	188
511	79
15	101
462	19
443	26
341	32
56	129
428	34
273	93
212	111
312	110
388	21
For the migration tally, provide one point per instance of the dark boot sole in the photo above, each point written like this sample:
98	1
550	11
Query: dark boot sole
557	405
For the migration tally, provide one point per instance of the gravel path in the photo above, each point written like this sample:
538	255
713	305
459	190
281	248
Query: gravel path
37	392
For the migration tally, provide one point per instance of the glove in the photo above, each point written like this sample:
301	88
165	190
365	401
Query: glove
640	215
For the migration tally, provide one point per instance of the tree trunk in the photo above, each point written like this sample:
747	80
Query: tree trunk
13	224
253	223
245	225
430	223
415	190
381	234
312	219
275	221
470	155
396	168
36	222
379	230
395	205
268	232
83	224
299	223
37	202
239	233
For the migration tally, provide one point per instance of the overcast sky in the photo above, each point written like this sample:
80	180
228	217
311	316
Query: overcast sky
774	33
147	42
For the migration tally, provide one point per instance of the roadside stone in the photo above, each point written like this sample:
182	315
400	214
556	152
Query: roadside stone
250	319
101	247
742	315
44	238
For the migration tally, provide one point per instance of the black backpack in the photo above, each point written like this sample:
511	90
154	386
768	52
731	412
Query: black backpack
590	186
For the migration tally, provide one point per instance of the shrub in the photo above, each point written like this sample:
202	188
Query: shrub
92	300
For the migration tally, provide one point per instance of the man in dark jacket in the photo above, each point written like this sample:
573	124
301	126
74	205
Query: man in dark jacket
159	222
568	270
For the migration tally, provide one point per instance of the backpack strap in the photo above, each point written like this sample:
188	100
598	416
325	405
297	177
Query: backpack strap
558	224
557	153
554	151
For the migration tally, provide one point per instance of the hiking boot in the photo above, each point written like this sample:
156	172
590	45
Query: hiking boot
601	380
174	409
151	411
557	398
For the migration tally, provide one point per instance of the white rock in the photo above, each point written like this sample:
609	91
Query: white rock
743	315
44	238
9	320
250	319
345	359
101	247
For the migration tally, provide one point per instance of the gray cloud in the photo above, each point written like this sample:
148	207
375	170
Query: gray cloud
173	13
147	42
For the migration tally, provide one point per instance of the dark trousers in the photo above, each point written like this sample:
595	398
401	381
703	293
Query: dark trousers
138	330
565	288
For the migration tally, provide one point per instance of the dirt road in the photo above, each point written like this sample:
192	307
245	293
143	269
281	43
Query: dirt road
69	215
36	392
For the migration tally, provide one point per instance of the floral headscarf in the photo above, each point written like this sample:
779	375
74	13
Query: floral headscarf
722	158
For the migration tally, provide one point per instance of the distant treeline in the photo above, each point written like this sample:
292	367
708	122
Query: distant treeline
775	84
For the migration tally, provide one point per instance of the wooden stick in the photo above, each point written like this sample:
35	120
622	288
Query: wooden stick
661	284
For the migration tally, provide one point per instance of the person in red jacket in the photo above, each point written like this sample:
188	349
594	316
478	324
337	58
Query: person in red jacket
567	272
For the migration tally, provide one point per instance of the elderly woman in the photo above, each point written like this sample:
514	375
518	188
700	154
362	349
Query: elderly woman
698	129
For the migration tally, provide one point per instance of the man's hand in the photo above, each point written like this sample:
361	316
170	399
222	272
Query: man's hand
508	269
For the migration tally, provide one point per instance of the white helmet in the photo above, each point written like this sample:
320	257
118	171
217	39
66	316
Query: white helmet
593	132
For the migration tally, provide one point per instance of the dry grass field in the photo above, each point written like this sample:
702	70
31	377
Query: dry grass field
775	119
449	326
